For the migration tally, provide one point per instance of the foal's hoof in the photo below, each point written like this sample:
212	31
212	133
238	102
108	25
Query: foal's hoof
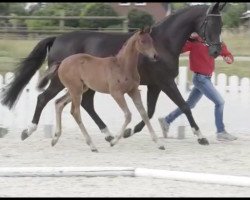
127	133
203	141
162	148
112	143
94	150
109	138
24	134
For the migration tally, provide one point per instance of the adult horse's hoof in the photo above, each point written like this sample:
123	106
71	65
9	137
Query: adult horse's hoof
127	133
203	141
94	150
109	138
162	148
53	142
24	134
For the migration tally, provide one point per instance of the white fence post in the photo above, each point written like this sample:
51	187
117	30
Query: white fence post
8	115
245	90
233	86
3	129
222	83
182	84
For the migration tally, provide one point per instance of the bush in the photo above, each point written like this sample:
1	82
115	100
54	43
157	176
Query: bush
232	13
139	19
55	9
98	9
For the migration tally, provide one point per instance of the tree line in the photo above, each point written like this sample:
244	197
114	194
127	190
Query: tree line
136	18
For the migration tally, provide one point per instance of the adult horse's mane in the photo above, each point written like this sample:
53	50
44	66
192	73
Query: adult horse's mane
173	15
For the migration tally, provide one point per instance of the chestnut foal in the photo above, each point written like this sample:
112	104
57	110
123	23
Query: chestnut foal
113	75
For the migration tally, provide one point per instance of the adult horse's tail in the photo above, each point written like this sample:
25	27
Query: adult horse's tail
25	70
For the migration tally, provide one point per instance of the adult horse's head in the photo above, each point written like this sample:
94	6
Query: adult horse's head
210	29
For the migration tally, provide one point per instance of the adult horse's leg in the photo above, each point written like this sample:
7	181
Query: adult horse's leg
54	88
136	97
152	96
174	94
88	104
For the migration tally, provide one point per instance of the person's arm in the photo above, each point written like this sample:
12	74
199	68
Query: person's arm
226	54
187	47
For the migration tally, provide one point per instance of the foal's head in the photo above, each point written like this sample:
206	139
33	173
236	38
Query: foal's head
145	44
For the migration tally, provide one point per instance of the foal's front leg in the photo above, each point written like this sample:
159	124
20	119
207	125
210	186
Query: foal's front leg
75	111
120	99
88	104
136	97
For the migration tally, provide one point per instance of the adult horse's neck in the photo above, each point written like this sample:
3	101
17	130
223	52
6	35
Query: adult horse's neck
172	33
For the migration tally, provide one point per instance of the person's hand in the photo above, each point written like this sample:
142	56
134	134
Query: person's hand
228	59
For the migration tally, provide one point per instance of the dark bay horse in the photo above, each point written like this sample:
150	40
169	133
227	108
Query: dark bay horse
114	75
169	37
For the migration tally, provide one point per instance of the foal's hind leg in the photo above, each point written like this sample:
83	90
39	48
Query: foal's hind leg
136	97
54	88
60	104
119	98
75	111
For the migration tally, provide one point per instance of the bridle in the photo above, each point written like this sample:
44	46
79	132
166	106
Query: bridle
206	42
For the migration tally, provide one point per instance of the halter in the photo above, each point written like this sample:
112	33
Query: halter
205	26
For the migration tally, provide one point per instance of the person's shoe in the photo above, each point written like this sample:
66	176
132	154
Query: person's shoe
224	136
164	126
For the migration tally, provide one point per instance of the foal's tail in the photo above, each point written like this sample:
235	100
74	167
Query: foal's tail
47	76
25	70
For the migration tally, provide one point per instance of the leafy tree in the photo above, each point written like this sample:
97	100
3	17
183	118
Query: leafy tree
177	6
12	8
56	9
98	9
7	9
139	19
232	13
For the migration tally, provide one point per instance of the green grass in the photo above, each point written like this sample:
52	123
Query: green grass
16	48
237	42
12	51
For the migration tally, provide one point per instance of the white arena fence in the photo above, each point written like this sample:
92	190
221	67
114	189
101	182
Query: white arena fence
235	91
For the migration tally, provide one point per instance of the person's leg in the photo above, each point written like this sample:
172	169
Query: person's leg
194	97
205	86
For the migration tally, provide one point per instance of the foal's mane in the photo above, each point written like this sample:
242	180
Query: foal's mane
125	43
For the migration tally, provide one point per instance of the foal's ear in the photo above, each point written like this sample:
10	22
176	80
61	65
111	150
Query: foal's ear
147	29
141	31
